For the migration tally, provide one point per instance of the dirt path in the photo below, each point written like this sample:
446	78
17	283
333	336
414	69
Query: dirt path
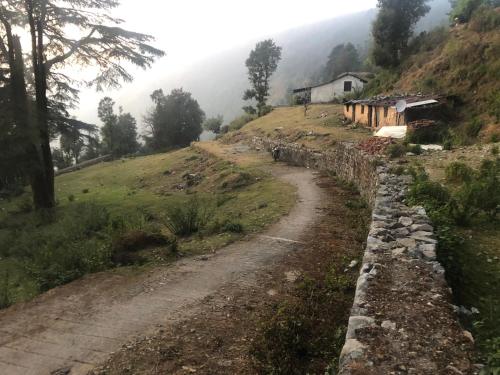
79	325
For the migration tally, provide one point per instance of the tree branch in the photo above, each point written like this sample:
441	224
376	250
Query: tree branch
73	49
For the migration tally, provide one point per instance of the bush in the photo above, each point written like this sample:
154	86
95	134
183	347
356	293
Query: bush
396	150
463	9
494	150
25	205
188	218
5	294
415	149
484	19
447	144
458	172
71	198
241	121
474	127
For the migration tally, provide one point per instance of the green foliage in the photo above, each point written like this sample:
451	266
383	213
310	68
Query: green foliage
175	121
261	64
393	28
484	19
119	132
213	124
458	172
494	150
396	150
241	121
474	127
343	58
494	105
463	10
415	149
189	217
447	144
5	292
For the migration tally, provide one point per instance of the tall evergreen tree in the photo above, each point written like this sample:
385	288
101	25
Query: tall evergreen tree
119	132
393	28
104	46
262	63
343	58
175	121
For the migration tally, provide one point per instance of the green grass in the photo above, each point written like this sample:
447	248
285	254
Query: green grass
135	193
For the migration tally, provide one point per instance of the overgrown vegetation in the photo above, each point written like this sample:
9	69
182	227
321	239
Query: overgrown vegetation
466	217
305	334
130	212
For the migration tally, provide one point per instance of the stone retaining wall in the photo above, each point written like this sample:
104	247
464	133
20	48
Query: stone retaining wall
402	320
83	165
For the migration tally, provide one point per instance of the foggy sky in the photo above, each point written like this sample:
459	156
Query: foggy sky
192	30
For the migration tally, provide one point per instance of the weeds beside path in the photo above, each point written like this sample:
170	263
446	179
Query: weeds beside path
80	324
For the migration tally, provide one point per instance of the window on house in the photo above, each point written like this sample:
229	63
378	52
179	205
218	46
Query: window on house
386	111
362	109
347	86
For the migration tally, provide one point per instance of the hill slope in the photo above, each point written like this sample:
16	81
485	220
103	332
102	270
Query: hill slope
465	64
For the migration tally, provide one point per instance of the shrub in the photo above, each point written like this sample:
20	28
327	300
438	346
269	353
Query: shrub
495	137
494	151
25	205
463	9
396	150
241	121
237	180
71	198
474	127
485	18
5	294
415	149
232	227
458	172
447	144
186	219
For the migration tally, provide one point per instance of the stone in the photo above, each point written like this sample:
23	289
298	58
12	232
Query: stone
469	336
352	349
398	251
387	324
454	370
401	232
409	243
421	227
353	264
405	221
358	322
428	251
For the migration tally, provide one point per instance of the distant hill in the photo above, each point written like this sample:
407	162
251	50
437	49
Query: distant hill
218	83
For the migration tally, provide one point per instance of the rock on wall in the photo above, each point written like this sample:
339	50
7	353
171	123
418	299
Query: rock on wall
344	159
402	320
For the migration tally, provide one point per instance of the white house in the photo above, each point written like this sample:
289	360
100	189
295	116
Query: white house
336	89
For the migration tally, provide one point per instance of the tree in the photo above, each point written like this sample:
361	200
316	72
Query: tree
104	46
343	58
175	120
462	10
72	146
119	132
262	63
393	28
213	124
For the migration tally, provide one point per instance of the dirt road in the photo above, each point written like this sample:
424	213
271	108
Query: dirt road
75	327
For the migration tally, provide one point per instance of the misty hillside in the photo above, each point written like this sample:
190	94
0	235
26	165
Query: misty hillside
218	83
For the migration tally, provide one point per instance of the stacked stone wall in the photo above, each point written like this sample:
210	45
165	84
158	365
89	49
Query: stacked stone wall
401	287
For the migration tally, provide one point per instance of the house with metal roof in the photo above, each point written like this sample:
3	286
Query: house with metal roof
336	89
393	110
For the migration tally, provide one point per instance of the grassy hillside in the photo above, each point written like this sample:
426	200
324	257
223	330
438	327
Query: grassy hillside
318	128
105	208
464	62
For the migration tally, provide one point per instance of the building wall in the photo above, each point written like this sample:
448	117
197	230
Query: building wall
391	119
334	90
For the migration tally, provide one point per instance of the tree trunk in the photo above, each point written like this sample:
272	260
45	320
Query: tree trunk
42	182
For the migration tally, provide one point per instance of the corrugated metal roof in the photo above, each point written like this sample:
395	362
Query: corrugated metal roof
390	101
